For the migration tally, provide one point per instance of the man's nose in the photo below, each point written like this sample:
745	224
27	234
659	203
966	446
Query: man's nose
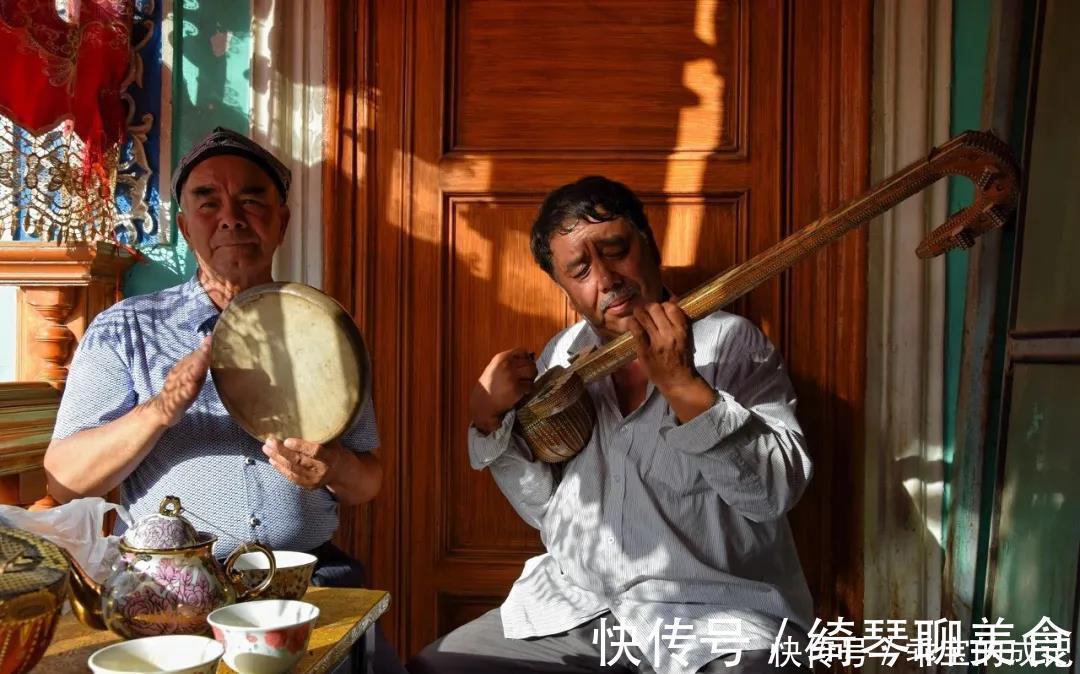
232	216
607	278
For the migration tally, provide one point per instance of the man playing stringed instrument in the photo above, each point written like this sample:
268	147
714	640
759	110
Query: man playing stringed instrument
669	529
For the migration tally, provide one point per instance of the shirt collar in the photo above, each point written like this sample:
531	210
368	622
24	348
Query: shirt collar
202	314
585	337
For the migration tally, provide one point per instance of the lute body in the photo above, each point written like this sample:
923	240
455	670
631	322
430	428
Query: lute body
557	418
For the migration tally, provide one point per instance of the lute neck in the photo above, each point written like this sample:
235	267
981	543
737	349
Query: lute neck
976	155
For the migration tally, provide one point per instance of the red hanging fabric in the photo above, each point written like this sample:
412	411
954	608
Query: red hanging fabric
52	69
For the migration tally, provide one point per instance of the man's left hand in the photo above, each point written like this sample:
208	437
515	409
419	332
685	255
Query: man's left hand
665	344
304	463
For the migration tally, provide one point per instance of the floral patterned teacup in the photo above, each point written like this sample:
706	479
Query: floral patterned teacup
173	654
291	579
266	636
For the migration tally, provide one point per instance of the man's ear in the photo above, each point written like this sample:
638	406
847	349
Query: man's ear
285	214
181	224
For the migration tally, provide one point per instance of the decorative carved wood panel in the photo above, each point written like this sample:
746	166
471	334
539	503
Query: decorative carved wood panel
454	119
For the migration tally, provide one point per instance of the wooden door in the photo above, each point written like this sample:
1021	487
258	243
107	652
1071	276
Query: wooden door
454	119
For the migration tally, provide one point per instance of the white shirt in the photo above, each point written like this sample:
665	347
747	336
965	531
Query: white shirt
654	520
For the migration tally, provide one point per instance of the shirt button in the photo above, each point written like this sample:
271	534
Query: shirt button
249	461
610	539
618	479
254	521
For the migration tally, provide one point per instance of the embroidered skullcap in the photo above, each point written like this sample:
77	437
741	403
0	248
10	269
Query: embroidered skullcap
223	141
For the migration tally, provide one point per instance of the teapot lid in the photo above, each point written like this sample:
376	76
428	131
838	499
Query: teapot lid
29	563
166	530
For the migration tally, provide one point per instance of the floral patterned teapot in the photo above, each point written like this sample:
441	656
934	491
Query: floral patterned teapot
166	580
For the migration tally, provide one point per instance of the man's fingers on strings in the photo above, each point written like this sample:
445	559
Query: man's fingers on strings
675	315
647	324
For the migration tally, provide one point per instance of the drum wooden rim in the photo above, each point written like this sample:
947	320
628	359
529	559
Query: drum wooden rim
341	319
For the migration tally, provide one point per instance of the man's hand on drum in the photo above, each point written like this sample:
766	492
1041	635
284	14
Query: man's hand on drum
505	381
307	464
182	385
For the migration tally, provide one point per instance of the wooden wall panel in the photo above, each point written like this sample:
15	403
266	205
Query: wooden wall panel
828	164
363	240
698	236
616	68
457	610
498	299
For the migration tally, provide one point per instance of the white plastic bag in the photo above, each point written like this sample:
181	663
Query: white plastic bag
76	527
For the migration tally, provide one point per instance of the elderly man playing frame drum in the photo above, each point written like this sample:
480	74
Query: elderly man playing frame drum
136	413
668	531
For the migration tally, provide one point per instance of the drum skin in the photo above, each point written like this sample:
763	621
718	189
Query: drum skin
289	362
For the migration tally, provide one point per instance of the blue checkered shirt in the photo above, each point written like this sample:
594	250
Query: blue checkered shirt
223	479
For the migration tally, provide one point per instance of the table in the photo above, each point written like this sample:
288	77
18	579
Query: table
345	616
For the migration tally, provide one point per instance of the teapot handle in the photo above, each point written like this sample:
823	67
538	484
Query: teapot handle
243	592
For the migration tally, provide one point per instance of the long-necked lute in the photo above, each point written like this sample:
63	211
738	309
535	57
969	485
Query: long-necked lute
557	418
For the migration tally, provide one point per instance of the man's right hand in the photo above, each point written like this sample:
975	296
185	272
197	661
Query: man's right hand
182	385
505	381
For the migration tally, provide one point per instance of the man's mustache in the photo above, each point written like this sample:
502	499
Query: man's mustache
618	296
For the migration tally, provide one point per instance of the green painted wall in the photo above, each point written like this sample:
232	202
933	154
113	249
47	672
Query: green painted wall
211	87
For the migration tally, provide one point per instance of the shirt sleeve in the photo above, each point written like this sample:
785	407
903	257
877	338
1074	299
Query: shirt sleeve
748	445
528	484
99	387
363	435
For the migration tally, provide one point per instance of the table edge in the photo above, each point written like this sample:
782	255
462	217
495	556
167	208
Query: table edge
336	653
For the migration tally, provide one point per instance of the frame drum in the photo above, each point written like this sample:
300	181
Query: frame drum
289	362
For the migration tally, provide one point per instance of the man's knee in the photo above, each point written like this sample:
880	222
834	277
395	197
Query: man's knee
436	658
457	651
426	661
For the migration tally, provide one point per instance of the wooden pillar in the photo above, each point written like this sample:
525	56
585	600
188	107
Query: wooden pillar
62	289
53	342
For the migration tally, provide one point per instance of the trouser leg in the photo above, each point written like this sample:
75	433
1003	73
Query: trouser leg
479	646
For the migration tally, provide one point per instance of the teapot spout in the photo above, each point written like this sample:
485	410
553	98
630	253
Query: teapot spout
85	595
